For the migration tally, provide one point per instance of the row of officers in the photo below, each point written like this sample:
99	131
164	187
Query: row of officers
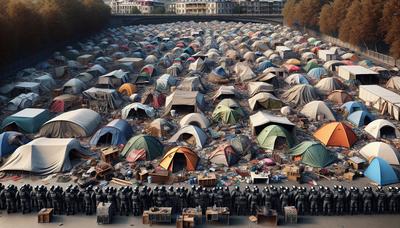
126	200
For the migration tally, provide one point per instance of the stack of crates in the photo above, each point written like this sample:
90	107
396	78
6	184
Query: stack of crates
290	215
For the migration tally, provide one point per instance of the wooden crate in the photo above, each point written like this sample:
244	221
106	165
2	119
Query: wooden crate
207	181
290	215
109	154
159	177
45	215
145	218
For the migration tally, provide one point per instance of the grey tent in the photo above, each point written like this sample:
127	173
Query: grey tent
45	156
262	119
318	110
179	100
191	134
74	86
72	124
300	94
110	97
192	84
196	119
327	85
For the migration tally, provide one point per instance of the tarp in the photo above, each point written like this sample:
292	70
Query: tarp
45	156
192	134
243	72
114	79
196	119
28	120
381	172
317	73
10	141
164	82
393	83
180	99
268	136
136	110
46	82
218	75
73	124
257	87
265	100
360	118
127	89
381	150
74	86
159	128
22	101
262	119
317	109
381	128
336	134
193	83
224	92
224	155
116	132
64	102
108	96
300	94
313	154
295	79
150	144
179	158
241	144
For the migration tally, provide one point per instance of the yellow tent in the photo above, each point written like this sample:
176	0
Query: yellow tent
179	158
127	89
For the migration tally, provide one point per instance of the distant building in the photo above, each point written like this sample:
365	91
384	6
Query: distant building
261	6
127	6
204	6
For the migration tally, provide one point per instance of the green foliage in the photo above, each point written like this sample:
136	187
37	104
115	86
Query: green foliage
27	26
158	10
135	10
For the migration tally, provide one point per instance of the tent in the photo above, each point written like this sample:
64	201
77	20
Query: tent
46	82
198	66
360	118
300	94
225	92
108	97
267	139
265	100
149	144
74	86
10	141
127	89
164	82
184	101
114	79
180	158
313	154
317	73
264	65
310	65
381	150
84	77
393	83
191	134
336	134
159	128
115	133
227	115
382	128
64	103
339	97
262	119
293	62
151	59
193	83
153	98
327	85
28	120
22	101
241	144
73	124
244	72
352	106
195	119
332	65
137	110
380	172
318	110
224	155
295	79
148	71
258	87
218	75
45	156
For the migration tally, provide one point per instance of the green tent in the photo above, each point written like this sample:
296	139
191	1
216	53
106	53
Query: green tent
310	65
150	144
313	154
28	120
227	115
268	136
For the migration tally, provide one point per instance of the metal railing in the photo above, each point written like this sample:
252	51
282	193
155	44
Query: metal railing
201	14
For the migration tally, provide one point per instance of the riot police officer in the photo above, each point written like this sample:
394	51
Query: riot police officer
136	204
313	199
368	197
380	197
327	201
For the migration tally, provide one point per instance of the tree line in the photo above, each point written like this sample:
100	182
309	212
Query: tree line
368	23
27	26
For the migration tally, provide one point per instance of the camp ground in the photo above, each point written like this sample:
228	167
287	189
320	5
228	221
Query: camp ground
167	103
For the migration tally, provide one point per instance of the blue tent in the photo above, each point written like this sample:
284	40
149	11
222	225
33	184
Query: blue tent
317	73
360	118
264	65
116	132
10	141
352	106
220	71
381	172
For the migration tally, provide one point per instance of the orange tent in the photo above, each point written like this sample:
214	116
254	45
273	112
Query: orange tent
127	89
179	158
336	134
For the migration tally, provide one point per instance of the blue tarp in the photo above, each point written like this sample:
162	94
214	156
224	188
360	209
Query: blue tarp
352	106
116	132
264	65
316	73
10	141
360	118
381	172
220	71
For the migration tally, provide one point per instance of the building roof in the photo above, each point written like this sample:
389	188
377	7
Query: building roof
357	70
